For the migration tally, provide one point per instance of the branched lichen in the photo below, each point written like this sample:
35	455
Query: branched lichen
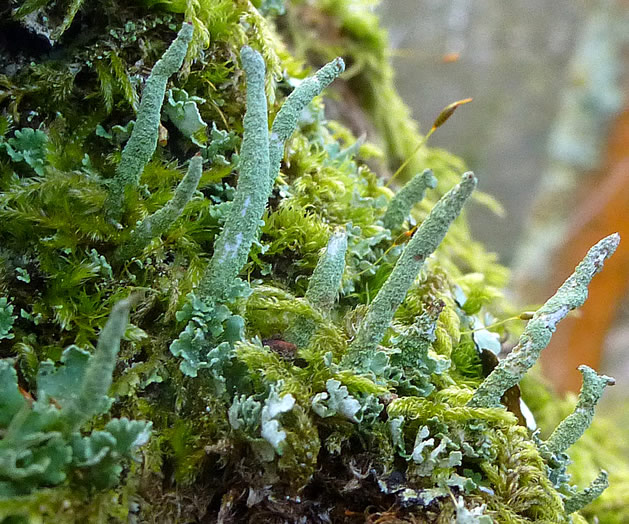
158	223
143	141
583	498
574	425
427	238
401	204
536	336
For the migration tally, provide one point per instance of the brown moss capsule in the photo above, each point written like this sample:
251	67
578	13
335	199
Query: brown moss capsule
448	111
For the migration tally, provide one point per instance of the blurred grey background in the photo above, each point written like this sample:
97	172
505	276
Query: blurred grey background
549	80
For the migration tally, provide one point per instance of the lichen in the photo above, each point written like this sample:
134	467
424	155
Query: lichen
298	360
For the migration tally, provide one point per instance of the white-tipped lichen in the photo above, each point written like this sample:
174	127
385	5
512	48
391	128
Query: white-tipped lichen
401	204
536	336
427	238
143	140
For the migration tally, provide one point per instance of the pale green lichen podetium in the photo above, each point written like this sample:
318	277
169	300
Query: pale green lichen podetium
285	121
574	425
143	140
98	375
325	282
260	163
589	494
231	249
427	238
323	287
537	334
401	204
159	222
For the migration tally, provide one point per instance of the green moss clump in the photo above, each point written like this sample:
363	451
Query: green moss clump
296	359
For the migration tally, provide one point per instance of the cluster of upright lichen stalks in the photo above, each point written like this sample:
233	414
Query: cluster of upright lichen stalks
260	163
260	158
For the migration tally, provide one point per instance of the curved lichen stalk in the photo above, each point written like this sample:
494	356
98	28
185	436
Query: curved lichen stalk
427	238
98	375
159	222
589	494
232	247
285	121
143	140
260	162
536	336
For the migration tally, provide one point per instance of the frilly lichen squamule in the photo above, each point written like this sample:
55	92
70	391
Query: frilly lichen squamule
284	346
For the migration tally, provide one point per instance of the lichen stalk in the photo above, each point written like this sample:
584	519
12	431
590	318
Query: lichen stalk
589	494
323	287
401	204
326	278
285	121
159	222
427	238
143	140
98	375
537	334
574	425
231	249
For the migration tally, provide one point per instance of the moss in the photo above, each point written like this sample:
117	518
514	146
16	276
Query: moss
271	393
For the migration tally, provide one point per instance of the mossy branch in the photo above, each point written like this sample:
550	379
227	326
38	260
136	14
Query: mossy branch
413	192
536	336
589	494
98	375
285	121
159	222
574	425
232	246
143	141
427	238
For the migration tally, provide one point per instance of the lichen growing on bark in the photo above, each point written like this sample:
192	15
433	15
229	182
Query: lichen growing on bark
296	361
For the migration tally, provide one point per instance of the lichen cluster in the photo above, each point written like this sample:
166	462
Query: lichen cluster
287	357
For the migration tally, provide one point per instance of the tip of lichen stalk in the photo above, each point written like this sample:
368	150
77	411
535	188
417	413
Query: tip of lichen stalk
339	64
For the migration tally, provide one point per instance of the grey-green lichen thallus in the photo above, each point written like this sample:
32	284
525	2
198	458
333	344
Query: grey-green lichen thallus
536	336
427	238
260	163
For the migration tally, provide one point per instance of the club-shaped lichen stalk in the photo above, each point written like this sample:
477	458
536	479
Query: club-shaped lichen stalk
401	204
231	249
427	238
98	375
539	330
143	140
285	121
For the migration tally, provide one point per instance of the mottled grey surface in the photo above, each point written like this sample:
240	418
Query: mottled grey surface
513	61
